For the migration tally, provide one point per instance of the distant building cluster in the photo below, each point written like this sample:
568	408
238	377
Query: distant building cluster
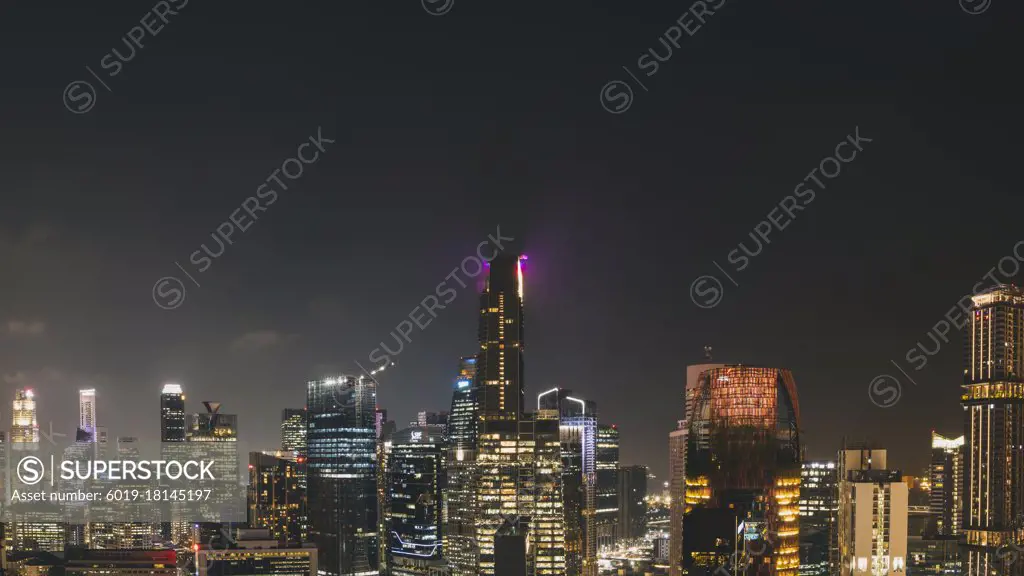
505	484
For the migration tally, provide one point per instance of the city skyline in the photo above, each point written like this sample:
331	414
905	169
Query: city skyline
816	449
43	406
101	202
452	288
743	438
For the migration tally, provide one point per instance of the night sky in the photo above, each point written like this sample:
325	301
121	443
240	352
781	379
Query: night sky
446	127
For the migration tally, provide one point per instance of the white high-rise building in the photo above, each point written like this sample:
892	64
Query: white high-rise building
24	427
946	476
87	412
872	515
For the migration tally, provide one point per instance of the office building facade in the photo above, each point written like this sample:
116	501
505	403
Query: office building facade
384	429
87	412
253	552
606	514
946	479
175	526
518	466
993	402
677	496
819	509
341	466
632	502
743	467
293	430
677	441
577	426
215	435
873	515
172	414
276	500
459	522
24	425
415	483
501	455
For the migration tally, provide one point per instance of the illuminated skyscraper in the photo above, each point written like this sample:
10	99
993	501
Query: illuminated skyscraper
606	514
172	414
499	373
293	440
677	441
677	493
138	522
463	415
427	418
218	434
3	480
172	447
87	412
275	500
946	475
415	480
74	512
38	526
498	393
578	439
819	506
383	489
993	401
341	471
102	441
293	430
873	512
743	466
385	430
544	497
24	427
459	523
518	464
693	372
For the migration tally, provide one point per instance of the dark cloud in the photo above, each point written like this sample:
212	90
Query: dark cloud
260	340
29	328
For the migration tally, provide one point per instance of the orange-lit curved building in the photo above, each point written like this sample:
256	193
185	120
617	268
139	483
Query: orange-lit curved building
743	472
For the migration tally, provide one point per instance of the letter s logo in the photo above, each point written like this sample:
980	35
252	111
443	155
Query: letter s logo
30	470
75	93
616	97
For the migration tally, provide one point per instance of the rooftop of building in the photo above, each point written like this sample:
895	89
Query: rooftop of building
419	434
1009	293
874	476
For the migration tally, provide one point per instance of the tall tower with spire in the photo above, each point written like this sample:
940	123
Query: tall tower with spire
499	374
516	484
